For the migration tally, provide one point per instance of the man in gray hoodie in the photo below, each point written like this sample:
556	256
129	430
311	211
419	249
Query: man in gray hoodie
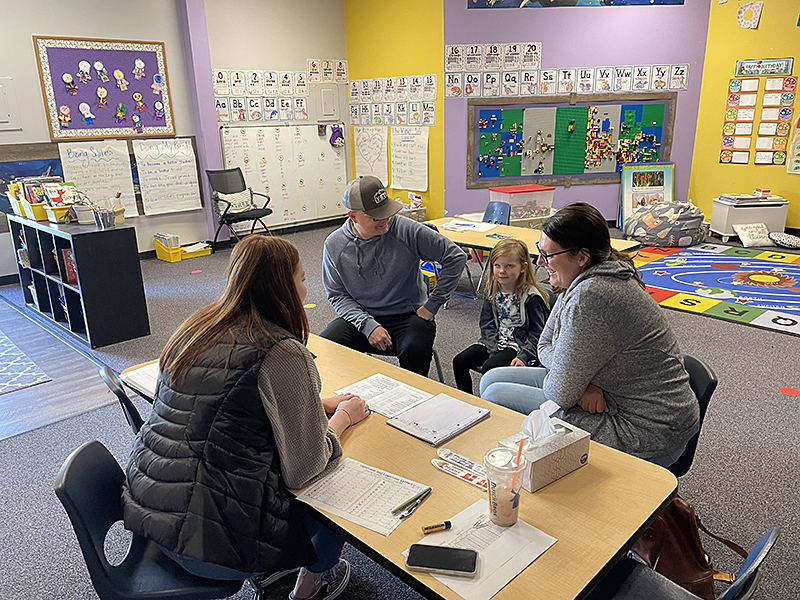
371	274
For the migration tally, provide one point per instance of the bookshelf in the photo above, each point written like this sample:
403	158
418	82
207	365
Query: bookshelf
98	295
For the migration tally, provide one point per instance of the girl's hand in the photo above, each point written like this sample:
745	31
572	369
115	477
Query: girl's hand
517	363
355	408
331	404
593	400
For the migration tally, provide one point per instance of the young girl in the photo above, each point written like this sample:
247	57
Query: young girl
512	317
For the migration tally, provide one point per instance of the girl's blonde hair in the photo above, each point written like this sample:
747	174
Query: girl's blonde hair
519	250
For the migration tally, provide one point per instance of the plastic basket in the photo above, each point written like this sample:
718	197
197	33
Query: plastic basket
57	214
35	211
167	254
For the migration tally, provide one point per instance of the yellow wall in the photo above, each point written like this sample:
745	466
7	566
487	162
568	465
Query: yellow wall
389	39
777	36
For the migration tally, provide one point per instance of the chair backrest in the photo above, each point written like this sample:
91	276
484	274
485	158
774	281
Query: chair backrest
226	181
115	385
497	212
703	382
745	581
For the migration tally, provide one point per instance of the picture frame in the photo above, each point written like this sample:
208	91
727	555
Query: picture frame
643	184
120	99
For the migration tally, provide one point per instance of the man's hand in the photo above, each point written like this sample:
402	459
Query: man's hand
593	400
380	338
517	363
424	313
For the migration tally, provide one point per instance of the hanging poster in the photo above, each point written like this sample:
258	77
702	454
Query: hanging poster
238	108
221	85
491	84
389	90
454	86
679	77
492	57
415	113
547	81
238	83
429	113
603	79
255	83
389	113
566	81
529	83
355	92
585	80
365	91
286	83
641	78
377	113
660	77
510	83
512	57
410	158
623	79
429	87
271	85
354	120
377	90
167	175
453	57
328	71
255	111
473	57
370	150
415	87
314	70
223	109
285	109
270	109
340	74
301	108
300	83
472	85
104	88
532	55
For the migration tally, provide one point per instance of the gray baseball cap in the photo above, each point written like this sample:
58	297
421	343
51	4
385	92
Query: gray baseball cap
367	194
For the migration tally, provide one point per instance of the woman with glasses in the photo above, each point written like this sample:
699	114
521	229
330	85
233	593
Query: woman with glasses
612	361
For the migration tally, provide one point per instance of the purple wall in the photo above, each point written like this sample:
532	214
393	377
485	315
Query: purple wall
581	37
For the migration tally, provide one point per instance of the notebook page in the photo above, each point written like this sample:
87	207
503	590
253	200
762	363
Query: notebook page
439	418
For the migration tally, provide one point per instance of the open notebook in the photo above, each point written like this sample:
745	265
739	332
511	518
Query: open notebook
438	419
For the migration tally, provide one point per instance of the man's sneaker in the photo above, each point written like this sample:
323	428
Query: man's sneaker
322	586
261	582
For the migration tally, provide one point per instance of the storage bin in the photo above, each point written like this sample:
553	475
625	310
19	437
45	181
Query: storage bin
416	214
57	214
35	211
176	254
196	253
527	201
16	207
84	213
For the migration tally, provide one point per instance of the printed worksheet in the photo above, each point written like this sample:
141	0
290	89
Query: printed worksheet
362	494
385	395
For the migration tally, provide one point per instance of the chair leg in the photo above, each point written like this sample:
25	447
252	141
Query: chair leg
216	235
266	229
438	365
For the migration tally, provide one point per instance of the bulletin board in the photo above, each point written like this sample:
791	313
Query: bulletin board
565	140
124	92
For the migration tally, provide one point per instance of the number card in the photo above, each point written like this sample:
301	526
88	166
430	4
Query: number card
314	70
492	57
255	84
402	88
221	83
429	87
238	83
340	74
286	85
415	88
531	55
454	58
365	91
389	90
271	87
529	83
328	71
473	58
512	57
300	83
454	85
377	90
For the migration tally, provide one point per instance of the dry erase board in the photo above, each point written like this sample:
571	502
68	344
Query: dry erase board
565	140
104	88
302	173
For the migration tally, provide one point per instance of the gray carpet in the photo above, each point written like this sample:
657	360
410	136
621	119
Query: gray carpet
743	481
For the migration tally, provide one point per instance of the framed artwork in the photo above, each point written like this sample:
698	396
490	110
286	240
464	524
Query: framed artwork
644	184
104	88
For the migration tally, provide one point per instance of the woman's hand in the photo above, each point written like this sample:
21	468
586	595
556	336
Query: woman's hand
517	363
331	404
593	400
349	412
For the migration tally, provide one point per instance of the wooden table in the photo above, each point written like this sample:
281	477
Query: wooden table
596	512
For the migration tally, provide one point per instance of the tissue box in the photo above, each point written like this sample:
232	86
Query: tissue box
554	458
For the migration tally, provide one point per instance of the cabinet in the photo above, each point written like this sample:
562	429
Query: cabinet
725	215
86	280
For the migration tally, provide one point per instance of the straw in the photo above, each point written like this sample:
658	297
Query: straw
516	465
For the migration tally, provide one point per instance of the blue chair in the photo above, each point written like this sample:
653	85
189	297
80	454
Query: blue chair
497	212
633	580
89	486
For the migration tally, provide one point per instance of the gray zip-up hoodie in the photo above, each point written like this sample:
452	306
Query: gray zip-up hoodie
606	330
365	279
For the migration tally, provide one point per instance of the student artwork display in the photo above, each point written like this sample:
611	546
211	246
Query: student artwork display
771	123
95	88
551	138
370	151
793	160
643	185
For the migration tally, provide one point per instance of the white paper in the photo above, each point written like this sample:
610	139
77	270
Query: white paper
143	379
769	114
438	419
362	494
774	83
771	99
504	552
745	114
741	143
767	128
167	175
410	158
456	225
740	158
370	150
750	85
764	143
100	170
748	99
453	57
743	129
454	85
763	158
385	395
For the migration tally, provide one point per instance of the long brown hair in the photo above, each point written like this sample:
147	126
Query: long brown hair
580	226
260	288
519	250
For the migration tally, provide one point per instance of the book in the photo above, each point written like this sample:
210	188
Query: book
438	419
747	198
60	194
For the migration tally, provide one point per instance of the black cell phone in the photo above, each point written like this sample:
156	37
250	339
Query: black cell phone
443	560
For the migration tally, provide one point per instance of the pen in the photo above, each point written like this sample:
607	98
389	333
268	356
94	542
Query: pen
414	499
437	527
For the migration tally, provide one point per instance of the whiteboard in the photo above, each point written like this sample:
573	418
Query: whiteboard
298	169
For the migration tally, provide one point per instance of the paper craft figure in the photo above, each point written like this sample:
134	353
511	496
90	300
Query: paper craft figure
86	113
159	110
122	110
748	15
84	71
101	71
69	81
122	83
337	137
138	68
158	84
102	97
137	97
63	115
137	123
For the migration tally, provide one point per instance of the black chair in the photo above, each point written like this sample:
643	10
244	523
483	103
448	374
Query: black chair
132	415
630	579
703	382
240	209
89	486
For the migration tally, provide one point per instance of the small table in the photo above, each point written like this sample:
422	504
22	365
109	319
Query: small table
725	215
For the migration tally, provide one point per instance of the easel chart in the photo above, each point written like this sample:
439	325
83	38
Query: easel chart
749	286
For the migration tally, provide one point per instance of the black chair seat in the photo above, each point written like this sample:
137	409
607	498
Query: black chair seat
248	215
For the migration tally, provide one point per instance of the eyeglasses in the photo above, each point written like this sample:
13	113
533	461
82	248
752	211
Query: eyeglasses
546	257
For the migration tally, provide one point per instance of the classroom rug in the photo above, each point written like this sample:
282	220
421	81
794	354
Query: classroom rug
750	286
17	371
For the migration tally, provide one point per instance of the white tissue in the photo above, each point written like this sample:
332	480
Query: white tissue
537	426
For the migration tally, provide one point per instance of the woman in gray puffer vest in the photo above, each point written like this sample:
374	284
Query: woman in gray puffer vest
237	421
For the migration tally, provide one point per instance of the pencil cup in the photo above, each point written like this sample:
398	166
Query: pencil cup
505	484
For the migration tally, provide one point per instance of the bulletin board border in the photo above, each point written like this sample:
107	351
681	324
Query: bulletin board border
475	104
42	44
